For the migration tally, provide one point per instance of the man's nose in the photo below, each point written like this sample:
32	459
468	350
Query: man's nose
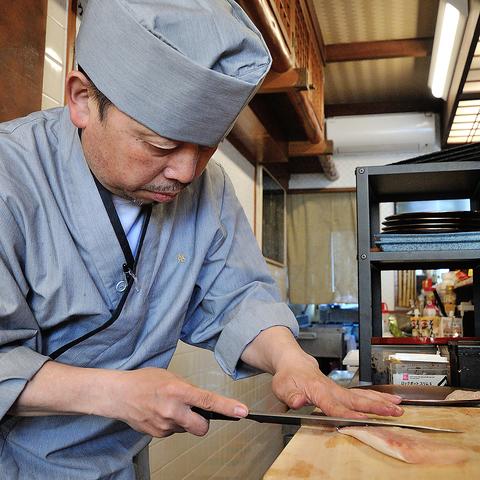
182	165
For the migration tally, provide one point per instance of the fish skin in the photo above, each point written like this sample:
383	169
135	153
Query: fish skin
463	395
409	446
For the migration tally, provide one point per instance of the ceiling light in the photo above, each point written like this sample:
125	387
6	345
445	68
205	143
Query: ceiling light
451	19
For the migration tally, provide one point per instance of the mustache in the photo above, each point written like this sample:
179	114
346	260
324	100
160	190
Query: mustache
170	187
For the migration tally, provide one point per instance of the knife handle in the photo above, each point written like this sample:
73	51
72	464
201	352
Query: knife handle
212	415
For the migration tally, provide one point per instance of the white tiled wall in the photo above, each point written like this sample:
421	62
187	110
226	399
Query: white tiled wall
231	450
55	54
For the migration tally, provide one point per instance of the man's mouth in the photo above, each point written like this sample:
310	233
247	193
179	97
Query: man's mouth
163	196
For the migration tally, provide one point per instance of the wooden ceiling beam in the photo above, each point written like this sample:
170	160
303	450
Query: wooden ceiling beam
323	164
263	17
305	165
252	140
410	47
293	80
373	108
307	149
307	116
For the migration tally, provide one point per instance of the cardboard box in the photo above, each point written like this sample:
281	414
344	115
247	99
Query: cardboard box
418	369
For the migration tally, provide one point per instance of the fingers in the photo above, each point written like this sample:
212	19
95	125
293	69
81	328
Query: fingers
378	395
336	409
379	403
214	402
333	399
210	401
304	384
157	402
364	401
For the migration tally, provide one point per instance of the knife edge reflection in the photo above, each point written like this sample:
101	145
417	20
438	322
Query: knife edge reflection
316	420
320	420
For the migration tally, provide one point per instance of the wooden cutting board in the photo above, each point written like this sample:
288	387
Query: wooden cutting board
321	453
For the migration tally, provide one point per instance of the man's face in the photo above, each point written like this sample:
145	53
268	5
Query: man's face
133	162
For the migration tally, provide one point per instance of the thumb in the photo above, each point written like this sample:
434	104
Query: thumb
296	399
289	391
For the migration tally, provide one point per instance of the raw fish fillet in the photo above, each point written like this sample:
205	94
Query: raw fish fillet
463	395
408	445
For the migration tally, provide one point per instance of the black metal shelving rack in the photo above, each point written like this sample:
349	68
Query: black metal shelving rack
406	182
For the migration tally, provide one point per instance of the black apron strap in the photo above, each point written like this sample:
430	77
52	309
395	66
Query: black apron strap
118	310
128	267
107	200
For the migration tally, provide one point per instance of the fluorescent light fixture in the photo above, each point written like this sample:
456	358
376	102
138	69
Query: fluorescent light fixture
451	19
466	128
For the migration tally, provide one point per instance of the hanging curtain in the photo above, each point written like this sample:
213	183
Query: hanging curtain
322	248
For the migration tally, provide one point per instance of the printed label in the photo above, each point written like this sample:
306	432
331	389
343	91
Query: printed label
412	379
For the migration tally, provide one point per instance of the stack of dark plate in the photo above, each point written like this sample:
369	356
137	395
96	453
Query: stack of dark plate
432	222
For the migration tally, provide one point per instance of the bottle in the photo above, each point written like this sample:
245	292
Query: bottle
415	320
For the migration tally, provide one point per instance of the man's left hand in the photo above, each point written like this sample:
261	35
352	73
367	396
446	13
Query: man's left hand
298	381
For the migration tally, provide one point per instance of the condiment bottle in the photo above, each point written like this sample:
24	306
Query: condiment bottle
449	300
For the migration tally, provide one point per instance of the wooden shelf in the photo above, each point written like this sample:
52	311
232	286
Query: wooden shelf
420	340
443	175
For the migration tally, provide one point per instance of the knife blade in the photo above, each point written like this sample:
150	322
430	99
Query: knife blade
316	420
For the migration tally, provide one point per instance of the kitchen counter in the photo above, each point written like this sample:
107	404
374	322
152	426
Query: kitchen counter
321	453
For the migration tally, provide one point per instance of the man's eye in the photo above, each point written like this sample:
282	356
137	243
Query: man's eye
204	149
162	150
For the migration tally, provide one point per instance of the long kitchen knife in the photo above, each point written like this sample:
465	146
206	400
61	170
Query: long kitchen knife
316	420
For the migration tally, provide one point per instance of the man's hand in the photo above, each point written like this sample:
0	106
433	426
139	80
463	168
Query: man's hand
298	381
157	402
150	400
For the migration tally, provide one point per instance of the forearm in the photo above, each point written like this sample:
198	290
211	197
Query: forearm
274	348
59	389
150	400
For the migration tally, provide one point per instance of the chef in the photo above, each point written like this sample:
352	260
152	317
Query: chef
117	240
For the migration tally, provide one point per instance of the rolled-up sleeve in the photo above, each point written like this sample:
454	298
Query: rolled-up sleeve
19	332
17	367
235	298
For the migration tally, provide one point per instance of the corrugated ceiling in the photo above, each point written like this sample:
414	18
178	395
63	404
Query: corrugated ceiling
393	79
348	21
466	123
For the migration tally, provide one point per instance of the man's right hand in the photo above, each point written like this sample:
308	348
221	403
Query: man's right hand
157	402
150	400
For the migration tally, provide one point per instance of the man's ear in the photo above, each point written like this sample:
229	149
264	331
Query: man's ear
76	89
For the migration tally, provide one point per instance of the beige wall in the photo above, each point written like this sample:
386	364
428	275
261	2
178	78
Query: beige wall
231	449
281	277
242	175
55	54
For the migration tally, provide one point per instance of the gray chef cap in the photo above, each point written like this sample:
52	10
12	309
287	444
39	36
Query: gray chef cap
183	68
